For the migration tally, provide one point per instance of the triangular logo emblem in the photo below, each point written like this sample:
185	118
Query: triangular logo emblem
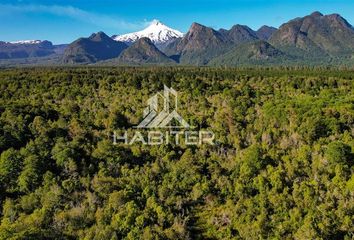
157	116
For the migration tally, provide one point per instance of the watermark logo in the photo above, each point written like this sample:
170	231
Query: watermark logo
161	113
157	116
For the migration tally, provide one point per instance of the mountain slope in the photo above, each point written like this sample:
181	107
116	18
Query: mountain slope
258	52
92	49
25	49
239	34
316	35
157	32
143	51
198	46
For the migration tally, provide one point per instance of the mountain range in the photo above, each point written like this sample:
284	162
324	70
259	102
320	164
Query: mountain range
26	49
313	39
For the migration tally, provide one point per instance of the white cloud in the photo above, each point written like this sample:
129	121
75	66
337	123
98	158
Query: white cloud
74	13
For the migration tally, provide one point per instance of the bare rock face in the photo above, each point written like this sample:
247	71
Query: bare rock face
198	46
316	33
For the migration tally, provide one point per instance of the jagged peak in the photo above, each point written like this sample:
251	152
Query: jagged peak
240	26
316	14
196	27
266	27
99	36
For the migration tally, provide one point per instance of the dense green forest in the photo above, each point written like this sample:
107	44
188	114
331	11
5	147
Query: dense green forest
282	166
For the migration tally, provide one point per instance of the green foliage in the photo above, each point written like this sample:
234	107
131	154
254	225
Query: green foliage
10	166
282	166
339	153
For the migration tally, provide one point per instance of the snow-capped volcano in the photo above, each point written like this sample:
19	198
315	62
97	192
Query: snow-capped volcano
157	32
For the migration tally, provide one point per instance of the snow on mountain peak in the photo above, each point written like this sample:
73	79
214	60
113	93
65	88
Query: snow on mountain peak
155	22
26	42
157	32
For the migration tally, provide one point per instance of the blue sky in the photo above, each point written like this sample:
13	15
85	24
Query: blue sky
62	21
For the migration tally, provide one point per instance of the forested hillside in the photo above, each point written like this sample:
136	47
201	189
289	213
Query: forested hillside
282	166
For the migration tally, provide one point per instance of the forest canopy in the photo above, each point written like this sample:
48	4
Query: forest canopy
282	166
